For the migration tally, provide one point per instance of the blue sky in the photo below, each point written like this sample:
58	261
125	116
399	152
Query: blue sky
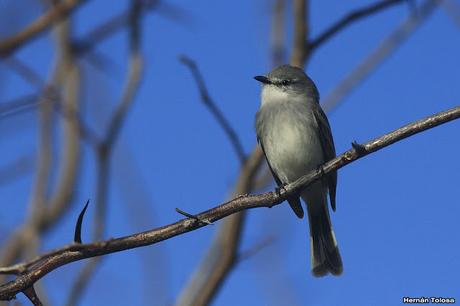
396	219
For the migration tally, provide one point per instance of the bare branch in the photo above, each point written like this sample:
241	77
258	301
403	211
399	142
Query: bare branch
386	47
118	22
277	34
351	18
54	14
17	168
19	105
40	267
26	72
300	49
215	111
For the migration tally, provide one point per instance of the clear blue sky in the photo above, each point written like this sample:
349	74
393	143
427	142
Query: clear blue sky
397	209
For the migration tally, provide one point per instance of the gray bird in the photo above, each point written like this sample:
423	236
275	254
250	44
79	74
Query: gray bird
295	136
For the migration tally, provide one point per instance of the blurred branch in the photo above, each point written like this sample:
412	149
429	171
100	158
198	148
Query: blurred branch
24	71
245	255
45	210
108	28
452	9
19	105
57	12
351	18
212	107
386	47
59	201
118	22
19	167
37	268
277	33
300	48
105	149
223	252
140	213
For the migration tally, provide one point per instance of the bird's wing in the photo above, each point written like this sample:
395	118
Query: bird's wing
293	201
327	144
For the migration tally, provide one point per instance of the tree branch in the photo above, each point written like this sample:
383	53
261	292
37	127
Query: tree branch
377	56
39	267
56	13
350	18
300	50
215	111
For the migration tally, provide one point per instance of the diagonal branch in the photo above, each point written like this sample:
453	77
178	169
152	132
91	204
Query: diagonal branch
215	111
39	267
377	56
17	168
56	13
351	18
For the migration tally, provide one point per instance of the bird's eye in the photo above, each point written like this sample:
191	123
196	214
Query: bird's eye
285	82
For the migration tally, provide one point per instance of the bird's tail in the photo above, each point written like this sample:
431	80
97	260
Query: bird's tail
325	256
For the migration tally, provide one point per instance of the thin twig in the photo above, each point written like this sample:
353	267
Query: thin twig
186	214
244	255
19	105
25	71
376	57
78	252
351	18
212	107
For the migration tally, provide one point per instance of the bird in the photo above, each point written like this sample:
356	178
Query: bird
295	136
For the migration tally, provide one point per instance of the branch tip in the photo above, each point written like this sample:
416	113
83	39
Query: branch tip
77	235
194	217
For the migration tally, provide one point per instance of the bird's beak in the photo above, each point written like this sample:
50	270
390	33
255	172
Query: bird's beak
263	79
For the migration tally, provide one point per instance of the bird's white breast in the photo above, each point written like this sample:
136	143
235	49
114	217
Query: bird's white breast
271	94
289	135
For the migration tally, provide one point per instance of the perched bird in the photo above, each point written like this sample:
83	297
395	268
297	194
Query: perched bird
295	136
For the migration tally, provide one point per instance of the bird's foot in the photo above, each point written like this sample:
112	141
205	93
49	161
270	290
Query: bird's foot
280	189
320	170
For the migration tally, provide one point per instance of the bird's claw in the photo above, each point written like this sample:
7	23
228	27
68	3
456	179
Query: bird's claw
280	189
